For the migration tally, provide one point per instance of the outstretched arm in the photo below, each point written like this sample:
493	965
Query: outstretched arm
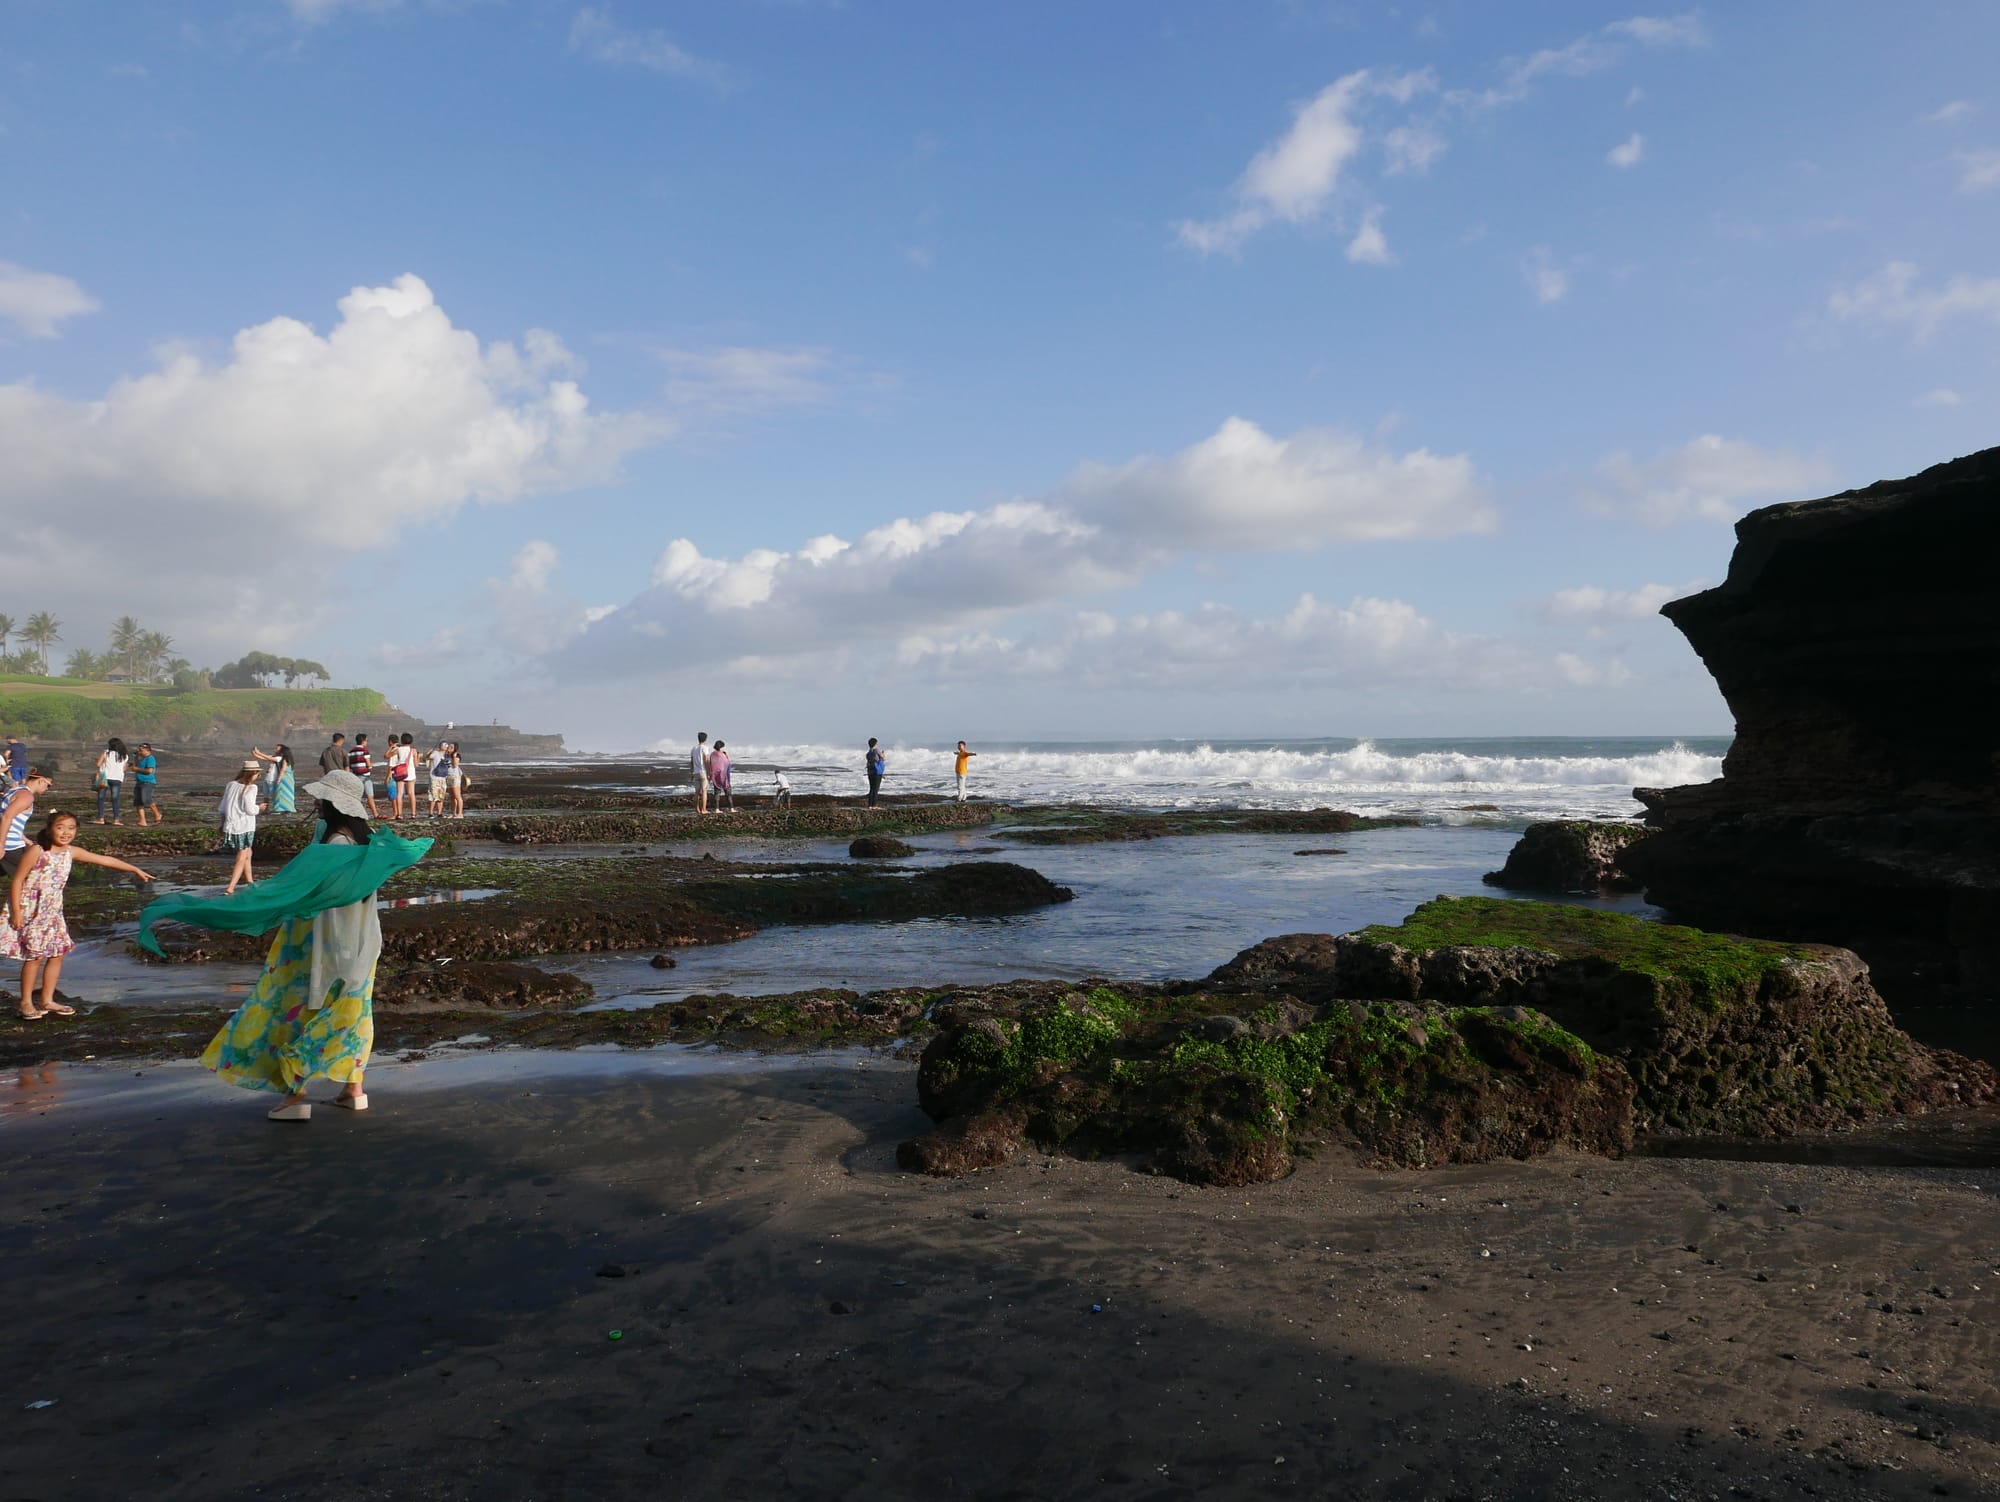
102	860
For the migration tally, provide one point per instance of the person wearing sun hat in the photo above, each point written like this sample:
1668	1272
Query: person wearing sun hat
311	1013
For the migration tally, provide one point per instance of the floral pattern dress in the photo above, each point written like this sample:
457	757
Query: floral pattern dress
277	1040
46	936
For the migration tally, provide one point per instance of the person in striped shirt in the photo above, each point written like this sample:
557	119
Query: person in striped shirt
14	815
361	764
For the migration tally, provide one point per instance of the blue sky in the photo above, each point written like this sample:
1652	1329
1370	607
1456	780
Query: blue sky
1006	371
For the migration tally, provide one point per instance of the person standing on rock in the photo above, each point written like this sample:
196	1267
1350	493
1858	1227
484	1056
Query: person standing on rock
334	757
962	767
111	764
361	762
240	807
781	792
876	765
17	761
718	778
698	772
146	785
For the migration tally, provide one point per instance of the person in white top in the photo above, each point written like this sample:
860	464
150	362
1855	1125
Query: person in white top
781	795
111	763
239	810
698	772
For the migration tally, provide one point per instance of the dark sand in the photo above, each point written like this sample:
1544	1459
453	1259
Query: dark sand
413	1304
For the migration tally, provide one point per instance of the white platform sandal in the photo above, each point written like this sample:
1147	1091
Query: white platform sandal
297	1110
351	1102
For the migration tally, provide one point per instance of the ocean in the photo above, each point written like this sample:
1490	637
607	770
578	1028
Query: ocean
1528	778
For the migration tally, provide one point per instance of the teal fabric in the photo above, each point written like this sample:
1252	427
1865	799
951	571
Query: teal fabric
317	878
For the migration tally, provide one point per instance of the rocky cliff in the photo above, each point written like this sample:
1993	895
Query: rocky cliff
1857	641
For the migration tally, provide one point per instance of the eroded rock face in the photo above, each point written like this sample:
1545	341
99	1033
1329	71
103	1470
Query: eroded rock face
1568	855
1857	640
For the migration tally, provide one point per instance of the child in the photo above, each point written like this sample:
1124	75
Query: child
782	798
34	931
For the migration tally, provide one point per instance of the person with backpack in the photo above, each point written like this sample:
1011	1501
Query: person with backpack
876	764
110	780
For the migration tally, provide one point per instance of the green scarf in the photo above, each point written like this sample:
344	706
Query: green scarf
317	878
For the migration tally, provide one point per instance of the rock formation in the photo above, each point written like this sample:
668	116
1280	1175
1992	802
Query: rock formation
1568	855
1857	641
1478	1028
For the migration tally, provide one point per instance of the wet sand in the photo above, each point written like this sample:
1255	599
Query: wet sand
415	1303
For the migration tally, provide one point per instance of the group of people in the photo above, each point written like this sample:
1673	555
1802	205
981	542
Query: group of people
709	769
405	768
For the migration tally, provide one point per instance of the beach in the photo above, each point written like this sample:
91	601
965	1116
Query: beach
419	1302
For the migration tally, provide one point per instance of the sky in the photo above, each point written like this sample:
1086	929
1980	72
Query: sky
804	370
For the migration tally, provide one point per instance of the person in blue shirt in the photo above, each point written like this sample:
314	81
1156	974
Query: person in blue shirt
17	760
145	785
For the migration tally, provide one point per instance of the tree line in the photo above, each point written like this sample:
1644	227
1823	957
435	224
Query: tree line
137	655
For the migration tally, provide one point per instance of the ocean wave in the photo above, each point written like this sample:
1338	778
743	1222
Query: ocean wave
1362	775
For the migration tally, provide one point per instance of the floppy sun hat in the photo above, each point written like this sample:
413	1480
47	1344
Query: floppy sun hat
342	790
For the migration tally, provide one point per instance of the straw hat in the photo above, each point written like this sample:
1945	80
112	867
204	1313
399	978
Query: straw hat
342	790
252	766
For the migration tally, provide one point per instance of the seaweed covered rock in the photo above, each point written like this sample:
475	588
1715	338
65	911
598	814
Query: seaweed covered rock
477	984
1719	1034
877	847
1568	855
1213	1097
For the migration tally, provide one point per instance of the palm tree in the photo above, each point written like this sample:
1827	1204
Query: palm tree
126	634
6	630
42	632
152	649
83	663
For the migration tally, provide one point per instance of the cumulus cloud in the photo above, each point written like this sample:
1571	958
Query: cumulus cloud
595	35
1709	478
1370	247
1241	489
1894	296
1940	396
1627	153
1578	672
1548	281
1592	605
1978	171
38	303
261	470
1411	148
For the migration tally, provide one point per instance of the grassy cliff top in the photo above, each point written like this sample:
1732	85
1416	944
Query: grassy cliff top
71	709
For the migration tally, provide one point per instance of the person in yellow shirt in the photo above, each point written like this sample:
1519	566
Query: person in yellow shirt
962	766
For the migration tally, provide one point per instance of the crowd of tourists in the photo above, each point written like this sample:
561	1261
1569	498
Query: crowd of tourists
710	770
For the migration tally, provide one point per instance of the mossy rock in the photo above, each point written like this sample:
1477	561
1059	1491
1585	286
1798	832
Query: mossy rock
1215	1098
877	847
1720	1034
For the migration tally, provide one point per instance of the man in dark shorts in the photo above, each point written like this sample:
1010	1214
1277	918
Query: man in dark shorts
146	785
875	766
17	761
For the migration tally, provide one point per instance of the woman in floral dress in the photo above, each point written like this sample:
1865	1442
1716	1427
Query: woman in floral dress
311	1013
34	930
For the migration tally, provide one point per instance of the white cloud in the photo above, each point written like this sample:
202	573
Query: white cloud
1633	95
263	470
1548	281
1239	490
1412	149
1590	53
1978	171
1709	478
1579	673
1627	153
1942	396
742	379
40	302
598	37
1893	296
1292	179
531	565
1592	605
1949	114
1370	247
